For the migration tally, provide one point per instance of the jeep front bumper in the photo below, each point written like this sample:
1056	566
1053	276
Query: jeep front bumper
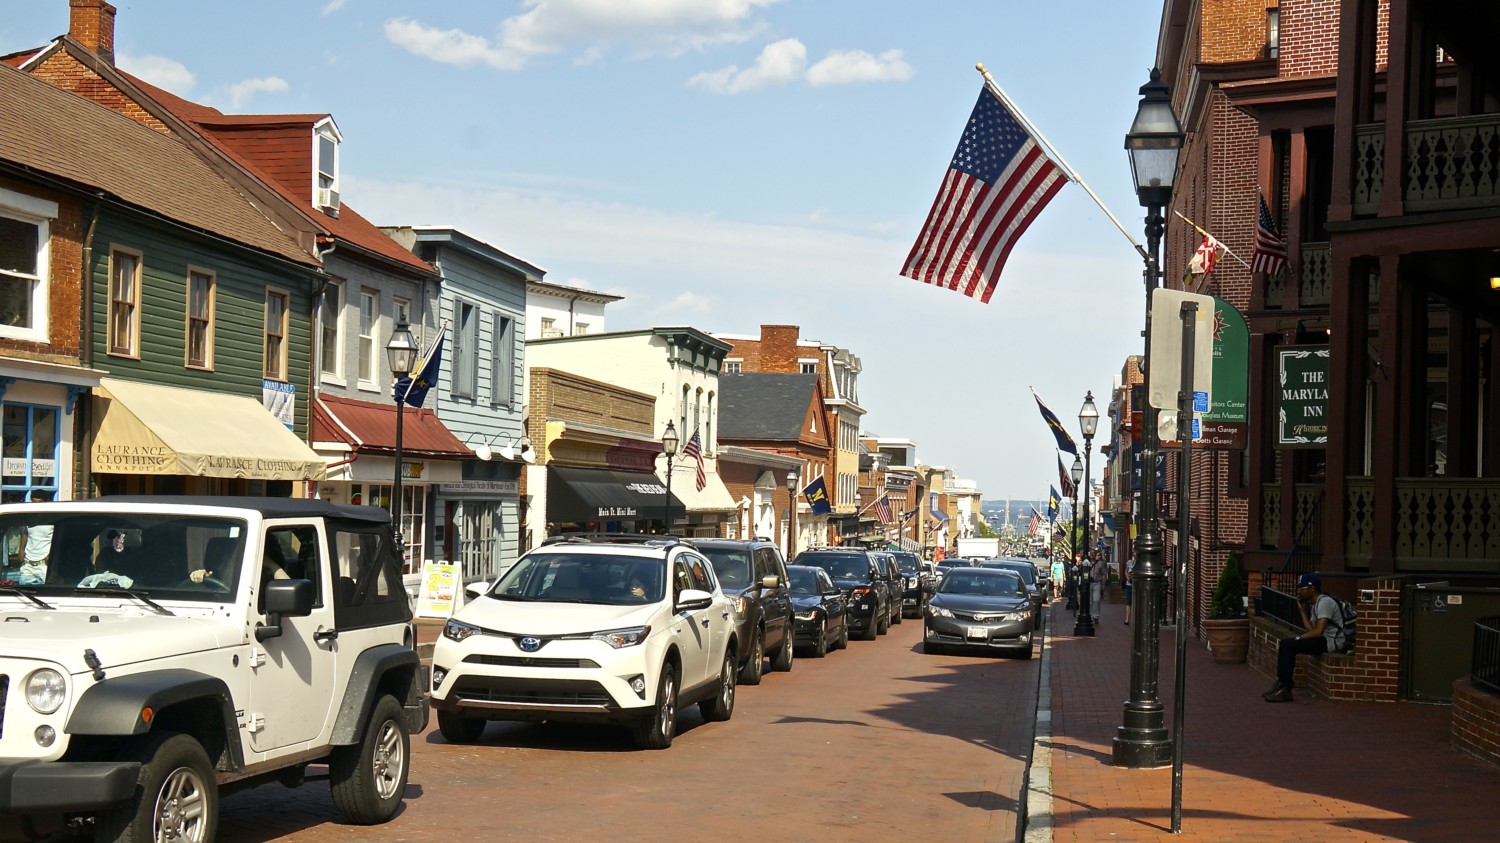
50	787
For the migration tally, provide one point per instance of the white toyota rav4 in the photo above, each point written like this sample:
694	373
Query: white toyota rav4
601	628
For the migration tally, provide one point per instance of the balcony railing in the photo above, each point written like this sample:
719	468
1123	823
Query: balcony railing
1451	163
1442	524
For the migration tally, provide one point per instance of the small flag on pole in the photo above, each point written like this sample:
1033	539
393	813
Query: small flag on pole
1053	505
413	390
1207	256
1270	250
1035	526
1060	433
997	183
1064	479
694	449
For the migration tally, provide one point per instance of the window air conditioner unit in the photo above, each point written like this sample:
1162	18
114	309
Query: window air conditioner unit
325	197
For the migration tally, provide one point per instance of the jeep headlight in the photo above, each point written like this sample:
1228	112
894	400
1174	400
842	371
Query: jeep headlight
458	631
938	611
45	690
618	638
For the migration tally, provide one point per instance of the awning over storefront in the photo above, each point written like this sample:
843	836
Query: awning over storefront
165	430
713	497
368	426
598	494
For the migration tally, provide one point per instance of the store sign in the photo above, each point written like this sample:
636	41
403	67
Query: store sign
1302	396
611	512
439	591
16	467
482	487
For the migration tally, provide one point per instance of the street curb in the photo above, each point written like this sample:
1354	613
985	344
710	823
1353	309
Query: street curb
1038	814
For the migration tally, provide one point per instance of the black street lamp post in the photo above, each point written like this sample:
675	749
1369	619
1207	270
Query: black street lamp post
1070	580
793	482
669	442
1153	143
1088	422
401	353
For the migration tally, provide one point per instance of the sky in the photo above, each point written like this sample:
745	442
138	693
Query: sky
726	164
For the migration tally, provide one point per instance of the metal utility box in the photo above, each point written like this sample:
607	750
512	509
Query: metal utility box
1440	645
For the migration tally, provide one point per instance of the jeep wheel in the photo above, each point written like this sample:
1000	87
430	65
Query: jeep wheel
368	779
177	798
721	706
755	666
783	661
655	731
457	728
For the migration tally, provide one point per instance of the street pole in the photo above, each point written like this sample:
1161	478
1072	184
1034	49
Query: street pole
792	482
1088	420
396	486
401	353
1070	581
1153	142
1184	522
669	442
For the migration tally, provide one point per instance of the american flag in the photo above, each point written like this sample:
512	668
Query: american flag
1064	479
694	449
1036	522
883	510
1270	249
997	183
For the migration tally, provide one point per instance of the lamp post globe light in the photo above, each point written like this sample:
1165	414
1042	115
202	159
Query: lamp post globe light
793	483
401	352
1088	423
1152	143
669	442
1070	583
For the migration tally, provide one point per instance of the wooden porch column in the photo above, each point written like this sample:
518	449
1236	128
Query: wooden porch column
1260	415
1393	378
1354	91
1397	105
1346	391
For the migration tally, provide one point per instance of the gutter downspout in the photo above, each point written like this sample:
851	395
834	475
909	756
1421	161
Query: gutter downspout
83	426
314	384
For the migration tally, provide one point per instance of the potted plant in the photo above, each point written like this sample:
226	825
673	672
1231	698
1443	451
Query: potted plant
1228	626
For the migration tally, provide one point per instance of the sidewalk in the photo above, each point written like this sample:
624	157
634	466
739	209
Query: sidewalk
1309	770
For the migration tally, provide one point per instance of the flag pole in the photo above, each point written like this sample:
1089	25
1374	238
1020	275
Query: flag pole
994	87
1227	250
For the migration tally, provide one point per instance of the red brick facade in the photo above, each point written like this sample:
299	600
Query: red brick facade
64	281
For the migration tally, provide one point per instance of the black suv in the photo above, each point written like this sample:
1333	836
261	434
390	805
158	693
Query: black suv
918	586
895	584
752	573
862	579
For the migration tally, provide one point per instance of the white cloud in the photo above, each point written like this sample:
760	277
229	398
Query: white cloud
164	73
333	6
777	64
646	27
242	92
842	67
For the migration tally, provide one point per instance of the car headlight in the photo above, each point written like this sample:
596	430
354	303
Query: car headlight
618	638
739	606
458	631
1015	617
807	616
45	690
911	582
938	611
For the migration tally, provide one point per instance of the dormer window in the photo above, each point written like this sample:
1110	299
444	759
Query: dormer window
326	140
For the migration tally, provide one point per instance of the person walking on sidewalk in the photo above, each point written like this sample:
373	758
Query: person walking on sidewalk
1098	576
1319	615
1059	574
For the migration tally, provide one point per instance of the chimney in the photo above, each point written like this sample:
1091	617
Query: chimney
92	24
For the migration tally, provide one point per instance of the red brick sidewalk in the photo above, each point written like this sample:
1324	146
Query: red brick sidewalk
1310	770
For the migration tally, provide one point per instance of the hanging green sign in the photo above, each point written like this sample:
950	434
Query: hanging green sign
1226	424
1302	396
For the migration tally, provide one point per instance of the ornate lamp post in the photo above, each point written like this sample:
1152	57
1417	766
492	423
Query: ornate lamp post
1070	582
669	442
401	352
793	483
1088	422
1153	143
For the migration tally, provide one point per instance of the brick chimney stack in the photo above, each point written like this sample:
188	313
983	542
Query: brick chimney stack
92	24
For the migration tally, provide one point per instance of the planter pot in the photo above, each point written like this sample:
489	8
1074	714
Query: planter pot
1228	640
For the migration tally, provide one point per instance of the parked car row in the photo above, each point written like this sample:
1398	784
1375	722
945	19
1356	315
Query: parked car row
618	628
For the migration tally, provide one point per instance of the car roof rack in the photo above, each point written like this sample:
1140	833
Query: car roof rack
653	539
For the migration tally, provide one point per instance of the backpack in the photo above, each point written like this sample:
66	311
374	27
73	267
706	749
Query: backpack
1346	620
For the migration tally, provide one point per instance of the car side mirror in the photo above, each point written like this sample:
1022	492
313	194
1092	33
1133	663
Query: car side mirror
476	589
692	599
293	598
770	581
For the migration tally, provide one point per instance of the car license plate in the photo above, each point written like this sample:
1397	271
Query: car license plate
979	632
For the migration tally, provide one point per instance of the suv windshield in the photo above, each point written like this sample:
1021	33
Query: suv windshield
838	565
606	579
53	552
907	561
731	565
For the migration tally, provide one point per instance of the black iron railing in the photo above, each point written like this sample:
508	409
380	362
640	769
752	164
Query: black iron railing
1278	599
1484	666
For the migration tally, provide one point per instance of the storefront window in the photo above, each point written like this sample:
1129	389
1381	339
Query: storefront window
29	462
413	515
478	539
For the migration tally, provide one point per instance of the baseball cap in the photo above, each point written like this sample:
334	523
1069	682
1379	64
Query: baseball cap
1310	579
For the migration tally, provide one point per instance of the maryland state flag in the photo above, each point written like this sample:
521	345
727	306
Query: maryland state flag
817	497
413	390
1053	505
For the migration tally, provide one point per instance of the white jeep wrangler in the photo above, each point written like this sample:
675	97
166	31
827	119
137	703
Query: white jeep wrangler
158	652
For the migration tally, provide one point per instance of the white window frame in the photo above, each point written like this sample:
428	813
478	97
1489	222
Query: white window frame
464	373
210	294
367	344
131	348
733	366
279	373
331	319
321	179
40	213
807	365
